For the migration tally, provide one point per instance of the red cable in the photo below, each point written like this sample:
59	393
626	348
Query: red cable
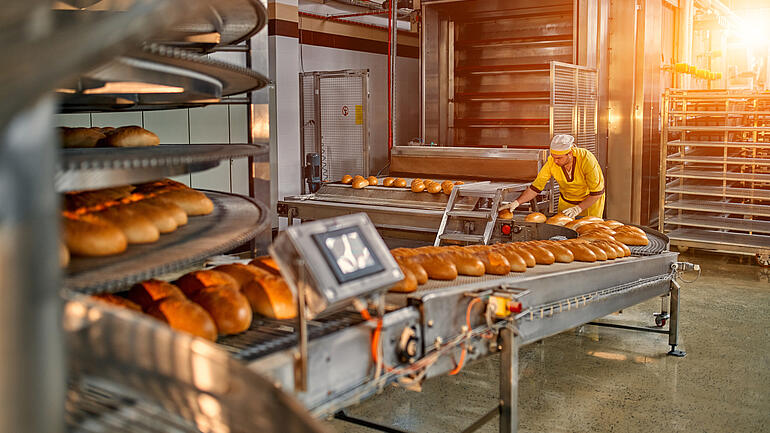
468	326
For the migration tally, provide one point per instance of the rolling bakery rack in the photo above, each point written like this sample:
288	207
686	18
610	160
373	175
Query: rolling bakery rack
73	364
715	154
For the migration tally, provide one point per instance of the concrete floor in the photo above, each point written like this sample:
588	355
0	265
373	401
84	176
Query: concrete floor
594	379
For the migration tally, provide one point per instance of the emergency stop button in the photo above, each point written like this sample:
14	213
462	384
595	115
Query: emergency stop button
506	229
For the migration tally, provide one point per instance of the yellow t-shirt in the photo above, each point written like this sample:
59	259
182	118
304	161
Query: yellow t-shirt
585	179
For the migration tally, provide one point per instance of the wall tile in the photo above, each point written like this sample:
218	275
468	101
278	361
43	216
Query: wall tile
238	126
75	120
170	125
117	119
217	178
184	178
239	172
209	125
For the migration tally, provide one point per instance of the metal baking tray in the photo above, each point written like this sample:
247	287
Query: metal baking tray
96	168
235	220
203	81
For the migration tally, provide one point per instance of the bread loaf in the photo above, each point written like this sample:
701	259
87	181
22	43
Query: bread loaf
372	180
91	236
494	262
619	252
347	179
193	202
613	224
599	252
597	236
407	285
241	273
147	292
400	182
560	253
271	297
186	316
591	227
195	281
542	256
437	268
434	188
117	301
360	183
466	263
535	217
130	136
558	220
505	214
622	246
80	137
418	187
633	239
580	252
459	182
388	181
228	307
136	227
609	250
415	268
446	183
514	258
529	259
87	199
176	211
592	219
631	229
576	223
161	218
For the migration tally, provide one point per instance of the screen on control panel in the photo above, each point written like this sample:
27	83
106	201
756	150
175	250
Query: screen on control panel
348	254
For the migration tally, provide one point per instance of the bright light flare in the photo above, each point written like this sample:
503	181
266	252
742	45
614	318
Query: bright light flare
755	33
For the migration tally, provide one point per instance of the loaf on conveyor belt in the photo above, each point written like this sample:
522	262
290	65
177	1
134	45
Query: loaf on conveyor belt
598	240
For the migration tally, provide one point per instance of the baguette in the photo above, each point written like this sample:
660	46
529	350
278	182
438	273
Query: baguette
576	223
186	316
196	281
613	224
465	263
266	263
631	229
228	307
176	211
494	262
597	236
619	252
591	227
622	246
271	297
608	249
92	236
80	137
147	292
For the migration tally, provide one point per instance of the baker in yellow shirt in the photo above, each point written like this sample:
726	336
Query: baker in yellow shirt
580	179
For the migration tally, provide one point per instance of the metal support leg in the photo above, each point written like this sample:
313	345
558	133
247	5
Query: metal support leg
509	382
673	324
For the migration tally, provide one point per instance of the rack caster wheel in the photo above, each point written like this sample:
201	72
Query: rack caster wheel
660	322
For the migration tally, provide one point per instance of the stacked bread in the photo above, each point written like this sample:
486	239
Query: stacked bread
446	263
104	222
212	303
125	136
594	228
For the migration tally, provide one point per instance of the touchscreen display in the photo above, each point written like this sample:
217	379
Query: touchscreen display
348	254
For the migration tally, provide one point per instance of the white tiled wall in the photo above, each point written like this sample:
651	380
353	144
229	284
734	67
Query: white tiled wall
213	124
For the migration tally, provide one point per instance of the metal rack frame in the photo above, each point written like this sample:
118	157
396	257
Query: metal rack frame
715	170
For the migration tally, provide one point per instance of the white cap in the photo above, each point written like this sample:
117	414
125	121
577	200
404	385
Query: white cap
561	144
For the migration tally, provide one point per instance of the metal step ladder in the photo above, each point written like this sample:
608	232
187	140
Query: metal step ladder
488	197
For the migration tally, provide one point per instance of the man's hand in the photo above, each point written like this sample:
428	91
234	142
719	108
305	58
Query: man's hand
509	206
573	211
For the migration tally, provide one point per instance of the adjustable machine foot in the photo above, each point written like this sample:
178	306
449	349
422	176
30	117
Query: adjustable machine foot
676	352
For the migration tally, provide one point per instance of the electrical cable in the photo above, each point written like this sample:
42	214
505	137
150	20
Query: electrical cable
460	364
